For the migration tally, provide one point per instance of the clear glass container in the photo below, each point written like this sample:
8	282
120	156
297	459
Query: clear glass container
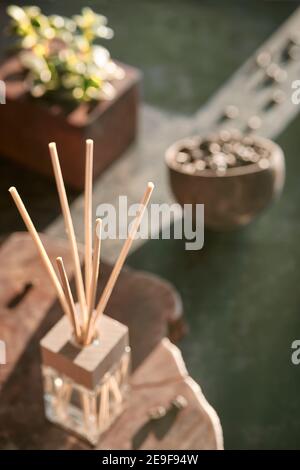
79	409
85	387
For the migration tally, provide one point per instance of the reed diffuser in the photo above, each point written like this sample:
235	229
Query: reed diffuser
86	355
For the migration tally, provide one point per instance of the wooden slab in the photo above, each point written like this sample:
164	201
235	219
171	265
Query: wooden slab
28	301
161	378
28	309
157	381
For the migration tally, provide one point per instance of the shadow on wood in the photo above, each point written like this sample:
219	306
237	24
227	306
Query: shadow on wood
143	302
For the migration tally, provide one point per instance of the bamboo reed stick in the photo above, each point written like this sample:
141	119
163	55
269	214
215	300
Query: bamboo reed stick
40	247
103	407
85	403
119	264
96	264
69	230
69	297
115	389
88	212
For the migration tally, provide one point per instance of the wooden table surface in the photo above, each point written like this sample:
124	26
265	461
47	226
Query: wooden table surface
149	306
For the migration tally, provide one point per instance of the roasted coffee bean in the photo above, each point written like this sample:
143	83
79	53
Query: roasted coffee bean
230	159
219	152
219	158
243	153
225	135
254	157
214	147
218	163
248	140
236	148
200	165
182	157
213	166
262	152
227	147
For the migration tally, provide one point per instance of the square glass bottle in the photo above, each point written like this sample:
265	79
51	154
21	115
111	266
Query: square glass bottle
85	387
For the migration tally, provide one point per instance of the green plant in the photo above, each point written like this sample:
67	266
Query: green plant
60	55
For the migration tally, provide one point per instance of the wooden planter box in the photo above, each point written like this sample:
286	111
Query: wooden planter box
28	125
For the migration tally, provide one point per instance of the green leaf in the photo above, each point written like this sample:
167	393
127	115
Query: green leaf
35	22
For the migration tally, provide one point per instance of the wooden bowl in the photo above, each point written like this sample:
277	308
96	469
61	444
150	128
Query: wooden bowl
231	200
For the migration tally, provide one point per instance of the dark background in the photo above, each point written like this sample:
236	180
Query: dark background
241	292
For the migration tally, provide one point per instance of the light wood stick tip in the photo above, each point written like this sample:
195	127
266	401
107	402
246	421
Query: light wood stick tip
89	141
150	186
52	146
12	190
98	226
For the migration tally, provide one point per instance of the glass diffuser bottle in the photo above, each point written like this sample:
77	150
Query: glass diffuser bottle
85	387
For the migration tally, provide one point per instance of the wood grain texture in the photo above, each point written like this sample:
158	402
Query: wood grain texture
161	378
143	302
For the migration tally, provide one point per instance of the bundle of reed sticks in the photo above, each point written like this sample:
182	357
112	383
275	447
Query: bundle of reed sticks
83	319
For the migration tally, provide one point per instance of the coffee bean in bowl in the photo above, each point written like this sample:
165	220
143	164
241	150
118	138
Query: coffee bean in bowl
234	175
